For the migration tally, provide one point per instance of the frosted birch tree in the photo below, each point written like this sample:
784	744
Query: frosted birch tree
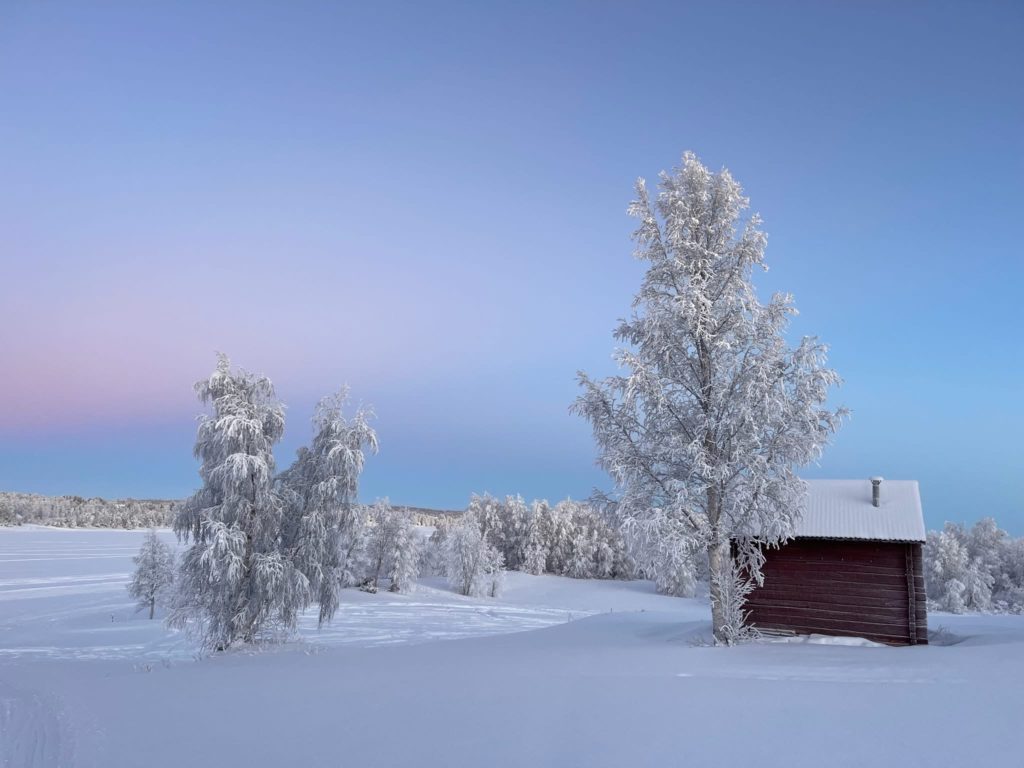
535	550
324	532
154	573
704	429
473	565
404	565
384	524
234	579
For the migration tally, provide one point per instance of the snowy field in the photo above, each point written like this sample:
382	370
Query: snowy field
557	672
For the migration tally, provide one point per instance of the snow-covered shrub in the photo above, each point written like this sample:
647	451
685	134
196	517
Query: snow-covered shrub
473	565
154	574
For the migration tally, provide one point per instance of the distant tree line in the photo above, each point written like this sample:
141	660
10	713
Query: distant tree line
78	512
570	538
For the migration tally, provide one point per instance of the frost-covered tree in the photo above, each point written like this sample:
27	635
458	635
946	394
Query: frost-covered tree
404	565
385	522
324	530
473	565
154	573
234	580
559	529
535	546
978	569
433	558
515	526
703	432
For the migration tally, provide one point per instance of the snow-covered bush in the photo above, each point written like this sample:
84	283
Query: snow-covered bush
977	569
154	574
473	565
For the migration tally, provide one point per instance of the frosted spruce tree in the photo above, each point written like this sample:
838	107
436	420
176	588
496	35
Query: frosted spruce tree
234	580
714	412
324	531
154	573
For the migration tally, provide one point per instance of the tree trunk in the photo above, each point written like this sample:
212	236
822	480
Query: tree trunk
720	569
152	606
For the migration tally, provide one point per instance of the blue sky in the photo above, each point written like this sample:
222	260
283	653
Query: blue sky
427	201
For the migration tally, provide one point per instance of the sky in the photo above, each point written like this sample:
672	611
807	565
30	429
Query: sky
427	202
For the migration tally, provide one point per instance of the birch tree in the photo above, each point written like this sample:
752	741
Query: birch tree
234	580
713	412
325	530
473	565
405	557
154	573
385	521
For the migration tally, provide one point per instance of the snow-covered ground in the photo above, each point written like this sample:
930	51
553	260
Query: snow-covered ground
557	672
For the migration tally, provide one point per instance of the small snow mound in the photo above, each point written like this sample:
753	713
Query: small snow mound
942	636
815	639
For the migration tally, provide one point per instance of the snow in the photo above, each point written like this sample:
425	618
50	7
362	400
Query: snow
557	672
842	509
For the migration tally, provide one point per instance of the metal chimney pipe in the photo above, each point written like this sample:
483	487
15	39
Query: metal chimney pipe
876	491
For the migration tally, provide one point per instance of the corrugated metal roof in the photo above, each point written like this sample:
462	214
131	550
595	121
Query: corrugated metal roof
842	509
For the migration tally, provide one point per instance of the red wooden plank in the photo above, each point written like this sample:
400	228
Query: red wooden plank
764	597
831	568
894	616
895	629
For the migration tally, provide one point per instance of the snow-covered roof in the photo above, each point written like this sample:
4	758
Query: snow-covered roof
842	509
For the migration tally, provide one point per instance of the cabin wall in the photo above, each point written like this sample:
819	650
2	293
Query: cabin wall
849	588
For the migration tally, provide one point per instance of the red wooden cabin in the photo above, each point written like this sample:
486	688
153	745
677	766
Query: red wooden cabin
854	567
